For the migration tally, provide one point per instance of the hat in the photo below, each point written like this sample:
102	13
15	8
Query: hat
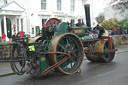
79	19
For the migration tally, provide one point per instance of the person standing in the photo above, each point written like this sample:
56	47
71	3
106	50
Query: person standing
123	32
21	34
29	37
82	22
14	36
115	32
3	37
79	23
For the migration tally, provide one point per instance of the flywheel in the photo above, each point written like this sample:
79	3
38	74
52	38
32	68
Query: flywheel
67	43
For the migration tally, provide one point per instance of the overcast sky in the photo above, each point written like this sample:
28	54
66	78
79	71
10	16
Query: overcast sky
97	6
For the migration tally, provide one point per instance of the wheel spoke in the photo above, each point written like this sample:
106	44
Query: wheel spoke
67	41
109	55
75	50
73	46
71	42
71	64
61	46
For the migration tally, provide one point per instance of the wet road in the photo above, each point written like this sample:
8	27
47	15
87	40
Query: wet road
114	73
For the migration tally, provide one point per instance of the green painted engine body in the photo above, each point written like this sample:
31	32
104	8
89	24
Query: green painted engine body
63	28
33	54
79	31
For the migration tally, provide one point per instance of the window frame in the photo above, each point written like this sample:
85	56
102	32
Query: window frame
59	5
43	2
43	21
72	5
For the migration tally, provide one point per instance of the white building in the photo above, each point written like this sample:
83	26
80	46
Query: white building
17	15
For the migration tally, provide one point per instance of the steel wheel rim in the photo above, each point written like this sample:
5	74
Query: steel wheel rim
66	42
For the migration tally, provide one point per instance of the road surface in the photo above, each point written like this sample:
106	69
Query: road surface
114	73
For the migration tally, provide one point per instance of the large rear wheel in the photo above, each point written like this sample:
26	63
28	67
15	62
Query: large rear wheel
70	44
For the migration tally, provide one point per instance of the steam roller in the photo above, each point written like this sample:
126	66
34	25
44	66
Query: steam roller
61	47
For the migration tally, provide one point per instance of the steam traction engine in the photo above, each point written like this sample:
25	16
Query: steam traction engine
61	47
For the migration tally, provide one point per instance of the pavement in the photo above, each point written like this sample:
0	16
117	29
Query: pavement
5	67
122	49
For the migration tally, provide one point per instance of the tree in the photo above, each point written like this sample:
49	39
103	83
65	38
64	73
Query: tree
111	23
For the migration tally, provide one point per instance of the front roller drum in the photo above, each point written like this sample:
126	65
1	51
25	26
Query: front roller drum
70	44
100	54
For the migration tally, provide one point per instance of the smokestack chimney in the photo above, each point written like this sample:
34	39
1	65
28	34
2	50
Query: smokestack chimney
87	14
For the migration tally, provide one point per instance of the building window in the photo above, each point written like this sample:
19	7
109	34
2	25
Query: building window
72	6
58	5
21	24
43	4
43	21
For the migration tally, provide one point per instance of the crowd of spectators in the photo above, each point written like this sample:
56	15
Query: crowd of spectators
21	34
116	31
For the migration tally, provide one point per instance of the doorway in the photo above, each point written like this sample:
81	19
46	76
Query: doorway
8	25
